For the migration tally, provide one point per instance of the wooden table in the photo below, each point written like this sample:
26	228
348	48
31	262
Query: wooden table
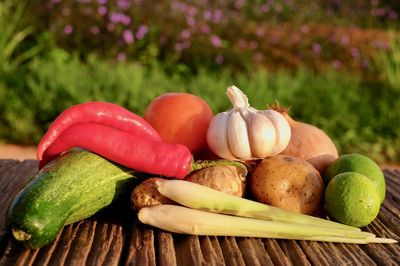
114	237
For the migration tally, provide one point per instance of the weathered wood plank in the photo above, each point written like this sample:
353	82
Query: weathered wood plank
253	251
231	251
13	177
45	253
293	252
100	251
116	238
392	176
211	250
81	244
166	250
390	221
141	249
115	252
188	250
275	252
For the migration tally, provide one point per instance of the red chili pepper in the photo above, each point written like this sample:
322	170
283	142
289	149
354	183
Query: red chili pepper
97	112
133	151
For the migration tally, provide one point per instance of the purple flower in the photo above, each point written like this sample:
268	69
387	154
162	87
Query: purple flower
178	47
174	5
217	16
239	3
191	21
68	29
260	31
126	20
192	11
207	15
316	48
205	29
219	59
264	8
111	27
121	57
141	32
253	45
392	15
127	36
215	40
304	29
102	10
95	30
258	56
185	34
116	18
124	4
365	63
379	44
355	53
186	44
242	43
336	64
345	40
102	2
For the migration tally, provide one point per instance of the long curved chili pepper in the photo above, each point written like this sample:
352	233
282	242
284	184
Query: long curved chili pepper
104	113
133	151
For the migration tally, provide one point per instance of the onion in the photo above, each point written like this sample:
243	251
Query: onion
310	143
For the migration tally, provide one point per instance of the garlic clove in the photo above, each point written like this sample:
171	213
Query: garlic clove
238	99
262	135
217	138
282	128
238	137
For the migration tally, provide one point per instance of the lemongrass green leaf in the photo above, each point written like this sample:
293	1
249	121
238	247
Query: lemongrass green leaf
183	220
203	198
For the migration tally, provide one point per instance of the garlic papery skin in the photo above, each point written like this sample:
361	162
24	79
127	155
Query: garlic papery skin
245	133
282	126
217	138
261	129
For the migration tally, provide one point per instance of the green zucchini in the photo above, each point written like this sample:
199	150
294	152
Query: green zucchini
70	188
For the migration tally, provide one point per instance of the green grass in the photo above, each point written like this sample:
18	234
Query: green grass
359	117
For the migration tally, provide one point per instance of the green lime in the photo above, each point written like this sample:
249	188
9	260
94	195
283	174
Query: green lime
360	164
351	198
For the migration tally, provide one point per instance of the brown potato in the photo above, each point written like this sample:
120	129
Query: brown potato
228	179
147	195
289	183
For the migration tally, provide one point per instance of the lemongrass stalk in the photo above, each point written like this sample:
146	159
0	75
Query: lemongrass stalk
204	198
178	219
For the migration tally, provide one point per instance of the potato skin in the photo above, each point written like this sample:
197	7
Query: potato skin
289	183
147	195
228	179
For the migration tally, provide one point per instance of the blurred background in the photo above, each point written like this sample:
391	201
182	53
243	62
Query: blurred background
335	64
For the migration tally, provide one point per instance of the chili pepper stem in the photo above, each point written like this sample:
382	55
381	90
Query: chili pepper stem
200	164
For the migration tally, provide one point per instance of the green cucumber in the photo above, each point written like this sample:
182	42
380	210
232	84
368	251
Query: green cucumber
70	188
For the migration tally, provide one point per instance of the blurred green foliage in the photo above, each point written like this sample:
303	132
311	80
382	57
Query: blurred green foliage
345	80
213	34
359	117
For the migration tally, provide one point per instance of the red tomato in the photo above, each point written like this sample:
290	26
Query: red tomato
180	118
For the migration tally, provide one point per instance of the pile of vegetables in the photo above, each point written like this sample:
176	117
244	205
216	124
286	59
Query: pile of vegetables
264	179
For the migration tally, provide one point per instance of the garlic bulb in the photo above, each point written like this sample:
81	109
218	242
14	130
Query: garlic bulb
245	133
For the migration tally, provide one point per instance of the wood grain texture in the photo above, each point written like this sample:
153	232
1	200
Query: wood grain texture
115	237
